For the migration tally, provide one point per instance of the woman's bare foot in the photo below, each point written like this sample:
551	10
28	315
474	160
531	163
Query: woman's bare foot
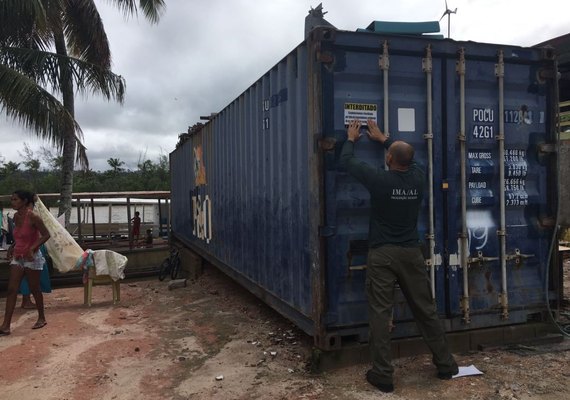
39	324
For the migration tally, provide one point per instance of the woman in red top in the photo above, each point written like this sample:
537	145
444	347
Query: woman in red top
26	259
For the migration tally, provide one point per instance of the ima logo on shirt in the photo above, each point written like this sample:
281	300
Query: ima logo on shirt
404	192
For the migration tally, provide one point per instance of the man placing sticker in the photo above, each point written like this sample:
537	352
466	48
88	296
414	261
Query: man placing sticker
394	253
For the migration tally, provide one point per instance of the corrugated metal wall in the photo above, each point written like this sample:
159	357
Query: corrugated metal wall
255	162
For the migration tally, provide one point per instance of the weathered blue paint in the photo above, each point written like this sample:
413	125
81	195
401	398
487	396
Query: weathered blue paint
278	214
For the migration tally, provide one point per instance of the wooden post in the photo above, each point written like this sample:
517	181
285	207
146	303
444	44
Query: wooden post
93	218
79	235
129	222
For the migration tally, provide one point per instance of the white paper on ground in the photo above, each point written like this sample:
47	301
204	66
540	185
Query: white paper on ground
468	371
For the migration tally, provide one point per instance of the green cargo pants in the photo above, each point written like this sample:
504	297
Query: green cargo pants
387	265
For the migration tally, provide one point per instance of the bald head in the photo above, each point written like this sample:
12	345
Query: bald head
402	154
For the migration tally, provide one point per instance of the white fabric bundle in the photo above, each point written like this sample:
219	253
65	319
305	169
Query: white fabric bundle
61	247
68	255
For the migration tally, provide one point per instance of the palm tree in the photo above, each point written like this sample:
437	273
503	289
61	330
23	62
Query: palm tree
78	30
11	167
116	164
82	60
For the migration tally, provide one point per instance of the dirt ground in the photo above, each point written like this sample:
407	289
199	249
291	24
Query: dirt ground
213	340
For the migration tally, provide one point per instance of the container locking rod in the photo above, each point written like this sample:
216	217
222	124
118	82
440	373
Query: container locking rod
463	239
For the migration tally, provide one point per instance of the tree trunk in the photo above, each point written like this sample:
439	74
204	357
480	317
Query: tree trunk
69	145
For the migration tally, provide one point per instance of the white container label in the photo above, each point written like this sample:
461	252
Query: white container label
406	120
360	112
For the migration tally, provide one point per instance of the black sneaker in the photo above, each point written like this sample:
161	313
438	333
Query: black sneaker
445	375
373	380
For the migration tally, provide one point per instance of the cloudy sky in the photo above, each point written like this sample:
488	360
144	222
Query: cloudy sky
203	54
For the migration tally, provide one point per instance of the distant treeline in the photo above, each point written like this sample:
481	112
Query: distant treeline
149	175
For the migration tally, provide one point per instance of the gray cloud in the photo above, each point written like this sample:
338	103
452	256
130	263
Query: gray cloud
203	54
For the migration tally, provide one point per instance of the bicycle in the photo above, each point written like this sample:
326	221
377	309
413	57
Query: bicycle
170	265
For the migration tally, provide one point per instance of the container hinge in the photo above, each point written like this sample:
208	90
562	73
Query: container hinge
427	64
326	143
325	57
356	248
518	257
547	148
460	64
327	231
480	259
547	73
500	67
361	267
548	53
547	222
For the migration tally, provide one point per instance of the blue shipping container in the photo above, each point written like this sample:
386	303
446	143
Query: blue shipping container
258	190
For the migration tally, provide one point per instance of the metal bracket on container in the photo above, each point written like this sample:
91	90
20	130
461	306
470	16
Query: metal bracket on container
500	67
460	64
427	64
547	73
548	53
384	60
428	136
427	261
504	301
327	231
465	308
547	222
324	33
356	247
351	268
326	143
480	259
547	148
325	57
518	257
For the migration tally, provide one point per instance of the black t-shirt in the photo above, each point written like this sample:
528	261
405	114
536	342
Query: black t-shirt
395	199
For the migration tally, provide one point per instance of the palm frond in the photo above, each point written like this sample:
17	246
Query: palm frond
14	11
127	7
151	9
46	68
24	23
35	108
85	33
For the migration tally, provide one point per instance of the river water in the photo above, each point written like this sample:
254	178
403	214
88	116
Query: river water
116	213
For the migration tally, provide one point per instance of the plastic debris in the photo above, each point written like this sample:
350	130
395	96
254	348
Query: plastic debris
177	283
